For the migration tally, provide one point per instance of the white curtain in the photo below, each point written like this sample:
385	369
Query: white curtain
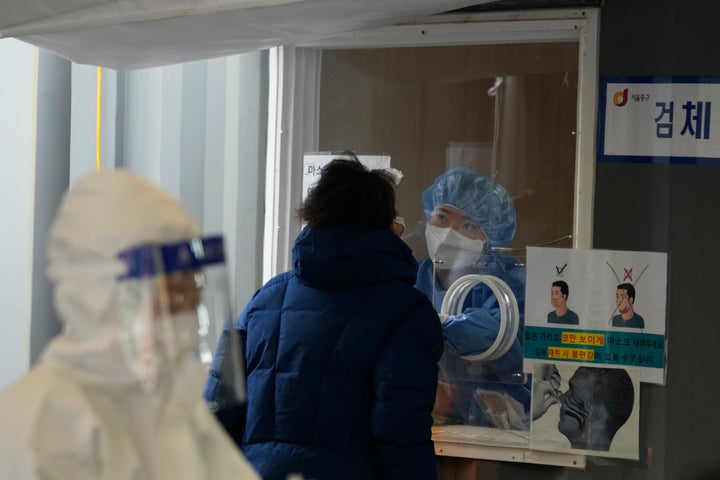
129	34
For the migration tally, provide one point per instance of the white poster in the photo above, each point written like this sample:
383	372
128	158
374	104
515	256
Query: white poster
579	408
660	119
313	163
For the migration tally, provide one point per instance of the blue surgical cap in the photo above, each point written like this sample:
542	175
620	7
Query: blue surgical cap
482	198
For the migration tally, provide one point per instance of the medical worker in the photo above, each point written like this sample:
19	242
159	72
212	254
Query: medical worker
117	394
341	350
468	216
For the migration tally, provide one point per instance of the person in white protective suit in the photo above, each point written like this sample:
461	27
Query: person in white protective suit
118	393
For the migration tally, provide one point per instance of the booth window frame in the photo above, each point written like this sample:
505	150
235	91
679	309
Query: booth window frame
293	120
294	94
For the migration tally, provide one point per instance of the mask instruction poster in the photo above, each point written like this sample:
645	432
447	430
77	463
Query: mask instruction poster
313	163
599	307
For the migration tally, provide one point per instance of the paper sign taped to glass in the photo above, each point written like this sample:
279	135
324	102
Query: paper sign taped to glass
313	163
599	307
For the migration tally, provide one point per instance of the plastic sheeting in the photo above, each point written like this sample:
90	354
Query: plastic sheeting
128	34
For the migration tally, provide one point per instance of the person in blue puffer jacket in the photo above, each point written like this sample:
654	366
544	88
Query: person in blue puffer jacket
469	215
341	352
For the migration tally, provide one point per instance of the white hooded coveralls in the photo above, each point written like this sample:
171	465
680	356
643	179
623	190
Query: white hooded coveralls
81	413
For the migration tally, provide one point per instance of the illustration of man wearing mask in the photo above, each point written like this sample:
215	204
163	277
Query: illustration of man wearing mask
468	214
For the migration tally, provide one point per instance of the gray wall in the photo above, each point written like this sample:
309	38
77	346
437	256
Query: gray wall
668	208
17	164
52	158
196	129
34	160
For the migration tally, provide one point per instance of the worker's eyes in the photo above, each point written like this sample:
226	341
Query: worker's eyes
439	219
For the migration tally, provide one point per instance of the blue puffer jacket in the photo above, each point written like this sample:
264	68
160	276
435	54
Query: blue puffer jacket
341	357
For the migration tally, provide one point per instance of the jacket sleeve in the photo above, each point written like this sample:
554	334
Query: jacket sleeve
216	391
219	395
405	382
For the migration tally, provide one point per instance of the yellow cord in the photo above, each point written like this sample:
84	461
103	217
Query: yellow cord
98	109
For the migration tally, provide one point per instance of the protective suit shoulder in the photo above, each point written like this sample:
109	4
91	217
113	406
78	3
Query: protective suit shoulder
54	431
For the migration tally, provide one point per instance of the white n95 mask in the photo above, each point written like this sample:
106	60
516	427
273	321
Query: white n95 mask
449	249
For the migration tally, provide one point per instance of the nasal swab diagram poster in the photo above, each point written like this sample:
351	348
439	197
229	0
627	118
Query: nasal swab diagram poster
600	307
581	408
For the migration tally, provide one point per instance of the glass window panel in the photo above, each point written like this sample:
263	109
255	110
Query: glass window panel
433	108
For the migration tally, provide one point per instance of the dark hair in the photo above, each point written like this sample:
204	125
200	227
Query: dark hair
563	287
630	290
349	193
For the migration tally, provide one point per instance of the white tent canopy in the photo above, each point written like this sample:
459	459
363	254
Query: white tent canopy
128	34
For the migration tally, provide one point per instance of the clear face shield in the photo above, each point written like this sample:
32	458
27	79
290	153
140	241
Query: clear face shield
479	293
177	313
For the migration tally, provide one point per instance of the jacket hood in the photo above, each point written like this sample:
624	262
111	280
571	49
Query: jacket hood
344	256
